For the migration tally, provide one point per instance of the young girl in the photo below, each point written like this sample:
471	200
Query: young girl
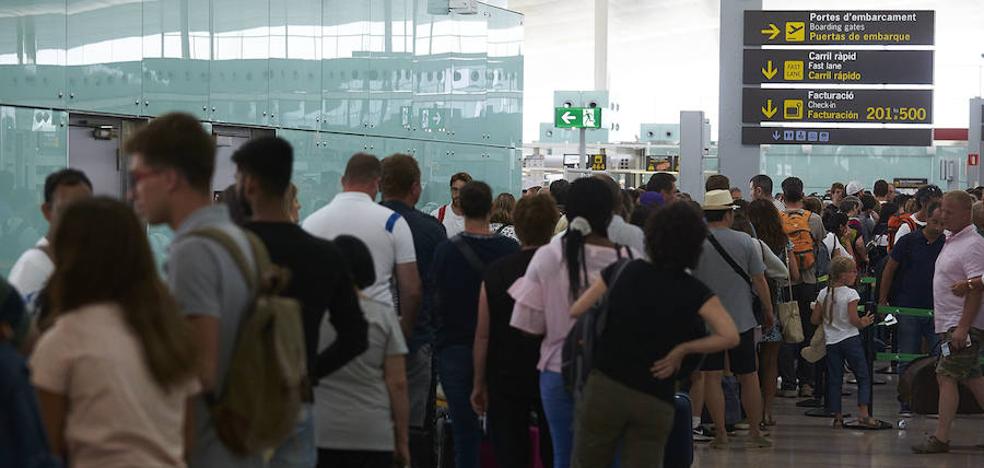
837	309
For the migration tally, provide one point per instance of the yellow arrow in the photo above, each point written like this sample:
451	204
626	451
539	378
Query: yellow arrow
772	31
769	71
768	110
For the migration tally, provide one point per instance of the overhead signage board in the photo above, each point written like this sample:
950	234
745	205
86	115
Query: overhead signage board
852	27
837	105
599	162
577	117
662	163
836	136
910	182
837	66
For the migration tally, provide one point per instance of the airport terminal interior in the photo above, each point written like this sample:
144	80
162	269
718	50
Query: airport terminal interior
491	234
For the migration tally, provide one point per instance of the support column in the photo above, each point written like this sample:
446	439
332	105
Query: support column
693	134
601	45
740	163
975	174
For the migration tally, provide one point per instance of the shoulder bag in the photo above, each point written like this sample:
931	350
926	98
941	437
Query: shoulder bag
756	301
789	317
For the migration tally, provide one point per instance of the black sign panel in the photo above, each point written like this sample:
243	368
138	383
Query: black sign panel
837	105
836	136
910	183
838	66
853	27
599	162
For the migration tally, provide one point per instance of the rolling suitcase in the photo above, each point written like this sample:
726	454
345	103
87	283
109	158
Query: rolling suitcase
679	452
443	440
918	387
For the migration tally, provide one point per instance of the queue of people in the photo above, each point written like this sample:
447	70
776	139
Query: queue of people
360	315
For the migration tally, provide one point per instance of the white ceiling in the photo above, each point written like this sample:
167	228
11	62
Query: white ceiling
663	55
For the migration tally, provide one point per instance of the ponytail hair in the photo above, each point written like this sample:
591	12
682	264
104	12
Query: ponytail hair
839	266
589	211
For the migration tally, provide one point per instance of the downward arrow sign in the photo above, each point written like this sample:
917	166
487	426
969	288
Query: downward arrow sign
769	110
776	135
769	71
568	117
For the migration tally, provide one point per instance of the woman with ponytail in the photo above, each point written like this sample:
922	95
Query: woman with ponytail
558	274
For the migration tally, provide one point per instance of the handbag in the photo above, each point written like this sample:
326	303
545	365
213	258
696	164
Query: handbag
756	301
789	316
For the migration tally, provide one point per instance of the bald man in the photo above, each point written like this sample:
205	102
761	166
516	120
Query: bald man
957	308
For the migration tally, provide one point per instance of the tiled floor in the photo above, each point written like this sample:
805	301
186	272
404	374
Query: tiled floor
806	442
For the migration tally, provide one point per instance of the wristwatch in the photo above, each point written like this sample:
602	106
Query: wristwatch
970	284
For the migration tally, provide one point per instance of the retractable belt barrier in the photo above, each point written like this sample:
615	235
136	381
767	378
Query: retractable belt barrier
864	280
907	311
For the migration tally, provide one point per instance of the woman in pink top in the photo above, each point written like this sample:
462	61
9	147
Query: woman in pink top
115	371
556	277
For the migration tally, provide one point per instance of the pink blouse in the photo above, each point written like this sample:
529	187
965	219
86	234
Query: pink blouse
543	300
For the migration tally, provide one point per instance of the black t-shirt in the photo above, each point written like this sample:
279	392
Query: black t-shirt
513	355
458	285
651	310
320	281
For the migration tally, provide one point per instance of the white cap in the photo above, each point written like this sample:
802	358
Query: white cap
853	187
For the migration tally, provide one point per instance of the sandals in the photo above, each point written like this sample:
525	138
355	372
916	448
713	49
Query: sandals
759	442
717	444
869	423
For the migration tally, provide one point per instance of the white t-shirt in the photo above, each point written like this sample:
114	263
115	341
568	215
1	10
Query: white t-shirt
833	243
453	224
627	234
384	231
117	413
840	328
905	229
352	405
31	271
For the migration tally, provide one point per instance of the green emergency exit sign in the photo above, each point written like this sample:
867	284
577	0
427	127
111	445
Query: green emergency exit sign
577	117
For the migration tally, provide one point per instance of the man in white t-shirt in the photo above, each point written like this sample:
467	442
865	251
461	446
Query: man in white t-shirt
384	231
31	272
925	196
450	215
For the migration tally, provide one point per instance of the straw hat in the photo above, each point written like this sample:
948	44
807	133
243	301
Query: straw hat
718	200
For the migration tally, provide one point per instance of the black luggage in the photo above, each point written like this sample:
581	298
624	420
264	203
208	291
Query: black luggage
443	439
918	387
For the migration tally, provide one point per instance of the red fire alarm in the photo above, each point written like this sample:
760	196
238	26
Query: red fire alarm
973	159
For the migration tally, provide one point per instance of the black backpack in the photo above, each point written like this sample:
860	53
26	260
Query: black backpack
581	343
